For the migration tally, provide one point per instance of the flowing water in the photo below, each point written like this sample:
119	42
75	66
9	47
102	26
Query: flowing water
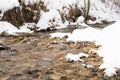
70	28
43	58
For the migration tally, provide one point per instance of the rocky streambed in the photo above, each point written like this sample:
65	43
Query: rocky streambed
40	57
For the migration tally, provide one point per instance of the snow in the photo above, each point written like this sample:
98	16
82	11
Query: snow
63	25
87	66
5	5
87	34
98	9
102	11
59	4
26	28
80	22
59	34
49	19
8	28
110	41
27	2
75	57
52	4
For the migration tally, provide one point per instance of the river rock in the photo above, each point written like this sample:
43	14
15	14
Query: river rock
84	72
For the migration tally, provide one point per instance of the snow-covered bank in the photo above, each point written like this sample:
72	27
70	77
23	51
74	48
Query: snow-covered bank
109	39
100	10
9	29
107	11
6	5
87	34
50	13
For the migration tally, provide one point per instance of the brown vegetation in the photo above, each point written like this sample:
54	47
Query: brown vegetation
74	13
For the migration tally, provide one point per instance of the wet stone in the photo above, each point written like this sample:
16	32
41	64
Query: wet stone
46	77
9	53
55	77
62	47
2	47
33	73
84	72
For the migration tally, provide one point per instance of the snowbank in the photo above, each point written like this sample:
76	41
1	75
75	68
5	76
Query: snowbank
5	5
8	28
26	28
110	50
87	34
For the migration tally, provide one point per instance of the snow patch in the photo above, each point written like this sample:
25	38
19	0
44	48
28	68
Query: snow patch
80	22
87	66
26	28
58	34
75	57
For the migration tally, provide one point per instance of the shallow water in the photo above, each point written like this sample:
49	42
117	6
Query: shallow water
70	28
100	26
43	58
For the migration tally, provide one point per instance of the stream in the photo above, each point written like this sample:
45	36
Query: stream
43	58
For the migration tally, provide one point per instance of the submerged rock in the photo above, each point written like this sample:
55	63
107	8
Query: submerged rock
2	47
